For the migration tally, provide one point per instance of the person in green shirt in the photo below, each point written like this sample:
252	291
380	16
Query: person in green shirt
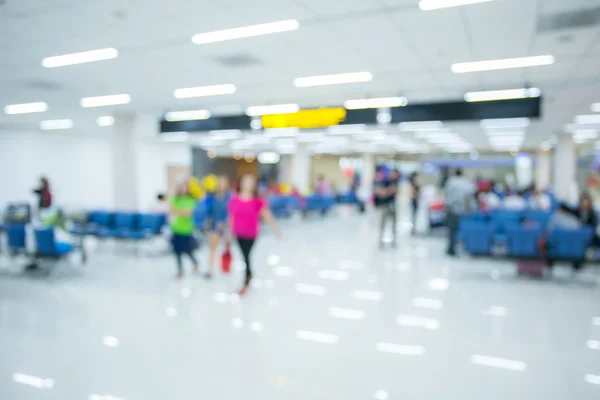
182	226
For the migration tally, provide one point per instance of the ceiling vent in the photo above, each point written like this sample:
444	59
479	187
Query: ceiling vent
238	60
583	18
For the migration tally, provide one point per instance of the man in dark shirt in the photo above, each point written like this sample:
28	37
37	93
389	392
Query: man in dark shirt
385	200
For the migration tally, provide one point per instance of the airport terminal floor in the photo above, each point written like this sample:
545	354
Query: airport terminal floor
329	316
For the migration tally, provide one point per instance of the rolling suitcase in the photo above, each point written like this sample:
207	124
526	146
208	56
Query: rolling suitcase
534	268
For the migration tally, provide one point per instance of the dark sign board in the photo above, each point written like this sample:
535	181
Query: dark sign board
204	125
464	111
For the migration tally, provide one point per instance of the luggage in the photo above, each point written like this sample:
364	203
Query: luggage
533	268
226	260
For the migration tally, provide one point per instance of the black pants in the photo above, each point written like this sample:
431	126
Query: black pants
452	220
180	262
246	247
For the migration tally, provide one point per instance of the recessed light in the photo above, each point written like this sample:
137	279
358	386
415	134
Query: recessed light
272	109
497	362
202	91
507	63
102	101
80	58
56	124
316	337
428	5
509	94
25	108
105	121
246	31
400	349
367	295
174	116
35	381
346	313
335	79
315	290
268	157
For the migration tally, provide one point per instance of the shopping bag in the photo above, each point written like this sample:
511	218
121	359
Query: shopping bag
226	260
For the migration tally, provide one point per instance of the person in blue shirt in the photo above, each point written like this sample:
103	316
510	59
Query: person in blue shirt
216	219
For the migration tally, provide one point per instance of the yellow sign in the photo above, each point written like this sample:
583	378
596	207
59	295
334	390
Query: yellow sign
305	119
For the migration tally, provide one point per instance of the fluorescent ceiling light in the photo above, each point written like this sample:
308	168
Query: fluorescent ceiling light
246	31
502	94
56	124
420	126
317	337
105	121
595	107
336	79
496	362
438	284
110	341
346	129
174	136
505	123
428	5
367	295
102	101
588	119
80	58
25	108
94	396
282	132
593	379
400	349
346	313
274	109
174	116
333	274
375	103
506	63
202	91
40	383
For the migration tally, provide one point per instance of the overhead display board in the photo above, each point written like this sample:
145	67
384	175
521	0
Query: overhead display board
240	122
305	119
464	111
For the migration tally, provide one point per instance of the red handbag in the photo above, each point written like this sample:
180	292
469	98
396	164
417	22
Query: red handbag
226	260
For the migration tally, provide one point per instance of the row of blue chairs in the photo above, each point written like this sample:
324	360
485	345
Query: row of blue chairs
46	245
519	234
122	225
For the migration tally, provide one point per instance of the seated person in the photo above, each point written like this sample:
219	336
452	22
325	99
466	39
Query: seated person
487	199
563	218
514	201
540	201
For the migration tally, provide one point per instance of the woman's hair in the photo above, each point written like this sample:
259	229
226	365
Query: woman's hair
585	196
239	184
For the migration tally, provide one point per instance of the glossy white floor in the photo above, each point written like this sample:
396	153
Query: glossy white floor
330	317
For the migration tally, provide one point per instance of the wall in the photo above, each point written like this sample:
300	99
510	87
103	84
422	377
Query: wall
79	167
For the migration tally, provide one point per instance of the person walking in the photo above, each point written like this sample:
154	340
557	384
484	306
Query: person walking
415	194
216	220
246	209
385	192
44	194
182	227
459	192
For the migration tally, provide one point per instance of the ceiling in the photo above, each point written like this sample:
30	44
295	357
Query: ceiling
408	51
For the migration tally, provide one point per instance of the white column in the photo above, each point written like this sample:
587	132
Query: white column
301	168
285	169
367	175
127	133
523	170
543	170
564	166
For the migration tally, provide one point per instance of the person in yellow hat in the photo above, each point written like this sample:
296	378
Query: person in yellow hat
182	226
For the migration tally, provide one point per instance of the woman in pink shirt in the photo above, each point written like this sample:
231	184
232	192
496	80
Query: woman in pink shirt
245	212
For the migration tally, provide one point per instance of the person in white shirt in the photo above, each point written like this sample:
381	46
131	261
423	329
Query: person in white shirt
514	201
540	201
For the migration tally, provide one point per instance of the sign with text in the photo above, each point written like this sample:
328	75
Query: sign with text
305	119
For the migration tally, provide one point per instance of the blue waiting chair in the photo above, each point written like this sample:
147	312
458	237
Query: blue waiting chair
15	234
477	237
122	222
569	244
522	241
47	246
539	217
148	225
